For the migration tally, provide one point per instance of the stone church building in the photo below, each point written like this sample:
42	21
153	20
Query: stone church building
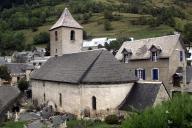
74	81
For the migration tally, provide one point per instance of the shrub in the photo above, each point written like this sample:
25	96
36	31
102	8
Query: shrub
112	119
174	113
107	25
23	85
41	38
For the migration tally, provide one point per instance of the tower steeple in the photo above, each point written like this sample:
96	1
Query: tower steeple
66	20
66	35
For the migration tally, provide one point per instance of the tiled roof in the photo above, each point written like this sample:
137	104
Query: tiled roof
18	68
140	48
141	96
97	66
66	20
7	95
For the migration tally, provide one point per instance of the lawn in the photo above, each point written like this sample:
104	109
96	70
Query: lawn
90	124
95	28
12	124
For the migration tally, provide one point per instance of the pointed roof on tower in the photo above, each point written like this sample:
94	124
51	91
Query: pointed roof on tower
66	20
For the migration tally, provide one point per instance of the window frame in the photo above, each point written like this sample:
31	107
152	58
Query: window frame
154	56
152	73
72	35
141	75
181	56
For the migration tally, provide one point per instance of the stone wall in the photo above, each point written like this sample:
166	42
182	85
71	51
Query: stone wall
76	98
64	44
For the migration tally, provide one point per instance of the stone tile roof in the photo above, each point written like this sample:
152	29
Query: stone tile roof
140	48
141	96
66	20
97	66
18	68
7	95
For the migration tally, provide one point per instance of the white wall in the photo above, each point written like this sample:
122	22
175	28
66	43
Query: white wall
78	97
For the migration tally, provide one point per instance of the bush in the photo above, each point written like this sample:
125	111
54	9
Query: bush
111	119
107	25
23	85
41	38
175	113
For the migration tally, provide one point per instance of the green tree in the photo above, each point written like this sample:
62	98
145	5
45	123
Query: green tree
23	85
4	73
188	32
41	38
107	25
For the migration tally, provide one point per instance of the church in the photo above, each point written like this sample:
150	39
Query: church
73	80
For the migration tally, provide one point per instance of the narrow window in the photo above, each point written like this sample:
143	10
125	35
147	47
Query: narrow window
43	84
60	99
56	51
56	36
181	56
140	73
44	97
94	103
155	74
154	56
72	35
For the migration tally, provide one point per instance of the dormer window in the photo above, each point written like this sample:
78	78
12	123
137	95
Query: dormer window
154	56
126	55
155	52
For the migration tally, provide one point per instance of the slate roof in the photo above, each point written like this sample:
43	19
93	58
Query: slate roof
7	95
18	68
141	96
66	20
97	66
140	48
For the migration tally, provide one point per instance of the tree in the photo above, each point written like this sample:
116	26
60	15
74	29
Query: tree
23	85
107	25
188	32
41	38
4	73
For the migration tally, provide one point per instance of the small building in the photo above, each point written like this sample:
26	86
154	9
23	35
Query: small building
156	59
8	97
19	71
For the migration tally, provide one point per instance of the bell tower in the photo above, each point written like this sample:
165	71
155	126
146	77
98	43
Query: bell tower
66	35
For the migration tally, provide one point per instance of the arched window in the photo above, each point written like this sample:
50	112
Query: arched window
44	97
56	36
72	35
60	99
94	103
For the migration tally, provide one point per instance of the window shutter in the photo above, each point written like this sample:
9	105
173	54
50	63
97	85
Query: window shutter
143	74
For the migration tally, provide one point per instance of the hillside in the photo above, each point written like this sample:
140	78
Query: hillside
128	18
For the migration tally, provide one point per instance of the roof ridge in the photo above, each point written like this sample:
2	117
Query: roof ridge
89	68
154	37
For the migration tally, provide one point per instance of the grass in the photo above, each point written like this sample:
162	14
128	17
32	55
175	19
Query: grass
89	124
12	124
175	113
95	26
